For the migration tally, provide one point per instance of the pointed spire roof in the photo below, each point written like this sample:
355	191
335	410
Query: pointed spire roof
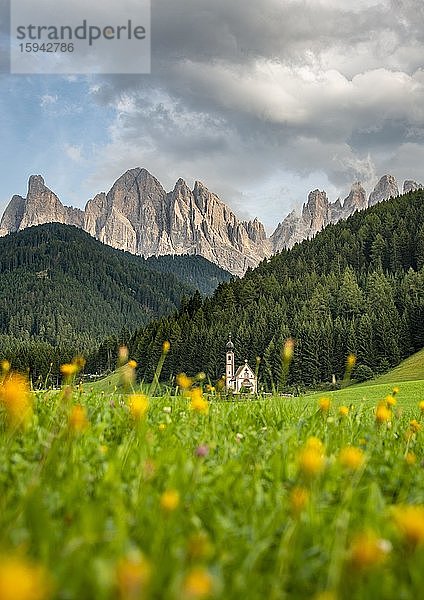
230	345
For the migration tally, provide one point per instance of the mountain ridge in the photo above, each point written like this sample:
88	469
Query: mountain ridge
137	215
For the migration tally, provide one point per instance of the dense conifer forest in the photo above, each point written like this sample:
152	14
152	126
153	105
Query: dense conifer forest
357	287
61	292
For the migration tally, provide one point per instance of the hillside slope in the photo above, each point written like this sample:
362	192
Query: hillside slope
59	285
358	287
193	270
410	369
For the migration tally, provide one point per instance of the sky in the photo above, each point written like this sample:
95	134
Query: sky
261	101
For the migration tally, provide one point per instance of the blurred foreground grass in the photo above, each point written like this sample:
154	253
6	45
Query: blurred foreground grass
111	495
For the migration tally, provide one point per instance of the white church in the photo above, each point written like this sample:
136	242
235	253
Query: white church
242	379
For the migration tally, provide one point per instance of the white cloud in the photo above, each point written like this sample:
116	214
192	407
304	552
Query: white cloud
73	152
258	99
47	100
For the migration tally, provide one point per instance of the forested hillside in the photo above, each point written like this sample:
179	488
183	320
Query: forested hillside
193	270
357	287
60	287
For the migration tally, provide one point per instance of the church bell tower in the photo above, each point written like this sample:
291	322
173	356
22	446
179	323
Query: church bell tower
229	365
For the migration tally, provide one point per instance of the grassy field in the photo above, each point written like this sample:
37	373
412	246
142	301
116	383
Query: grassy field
410	393
411	369
408	376
113	495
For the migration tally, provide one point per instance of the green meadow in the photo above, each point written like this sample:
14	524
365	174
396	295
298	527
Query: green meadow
109	494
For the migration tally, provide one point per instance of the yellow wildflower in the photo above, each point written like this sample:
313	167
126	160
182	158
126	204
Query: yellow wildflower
68	369
138	405
133	577
288	351
410	458
421	406
382	413
409	519
198	583
78	421
132	363
166	346
170	500
299	497
324	404
315	443
395	390
16	398
368	550
351	458
21	580
198	403
350	362
5	366
184	382
390	401
415	426
343	411
311	460
162	426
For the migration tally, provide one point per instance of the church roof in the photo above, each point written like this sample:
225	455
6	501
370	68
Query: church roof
230	345
242	368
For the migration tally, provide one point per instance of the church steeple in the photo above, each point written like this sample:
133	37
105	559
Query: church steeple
242	379
229	364
230	345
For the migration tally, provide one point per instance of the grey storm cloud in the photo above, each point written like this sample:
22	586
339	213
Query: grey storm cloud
241	91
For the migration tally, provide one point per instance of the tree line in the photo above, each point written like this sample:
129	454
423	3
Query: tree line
357	287
63	292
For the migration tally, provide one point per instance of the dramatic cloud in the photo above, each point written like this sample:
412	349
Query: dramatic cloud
243	91
264	100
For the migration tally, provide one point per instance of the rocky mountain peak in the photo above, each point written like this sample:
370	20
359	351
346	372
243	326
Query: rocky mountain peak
13	215
315	212
36	184
202	196
386	188
336	211
356	200
318	212
139	216
181	189
411	186
42	205
255	230
138	179
199	187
